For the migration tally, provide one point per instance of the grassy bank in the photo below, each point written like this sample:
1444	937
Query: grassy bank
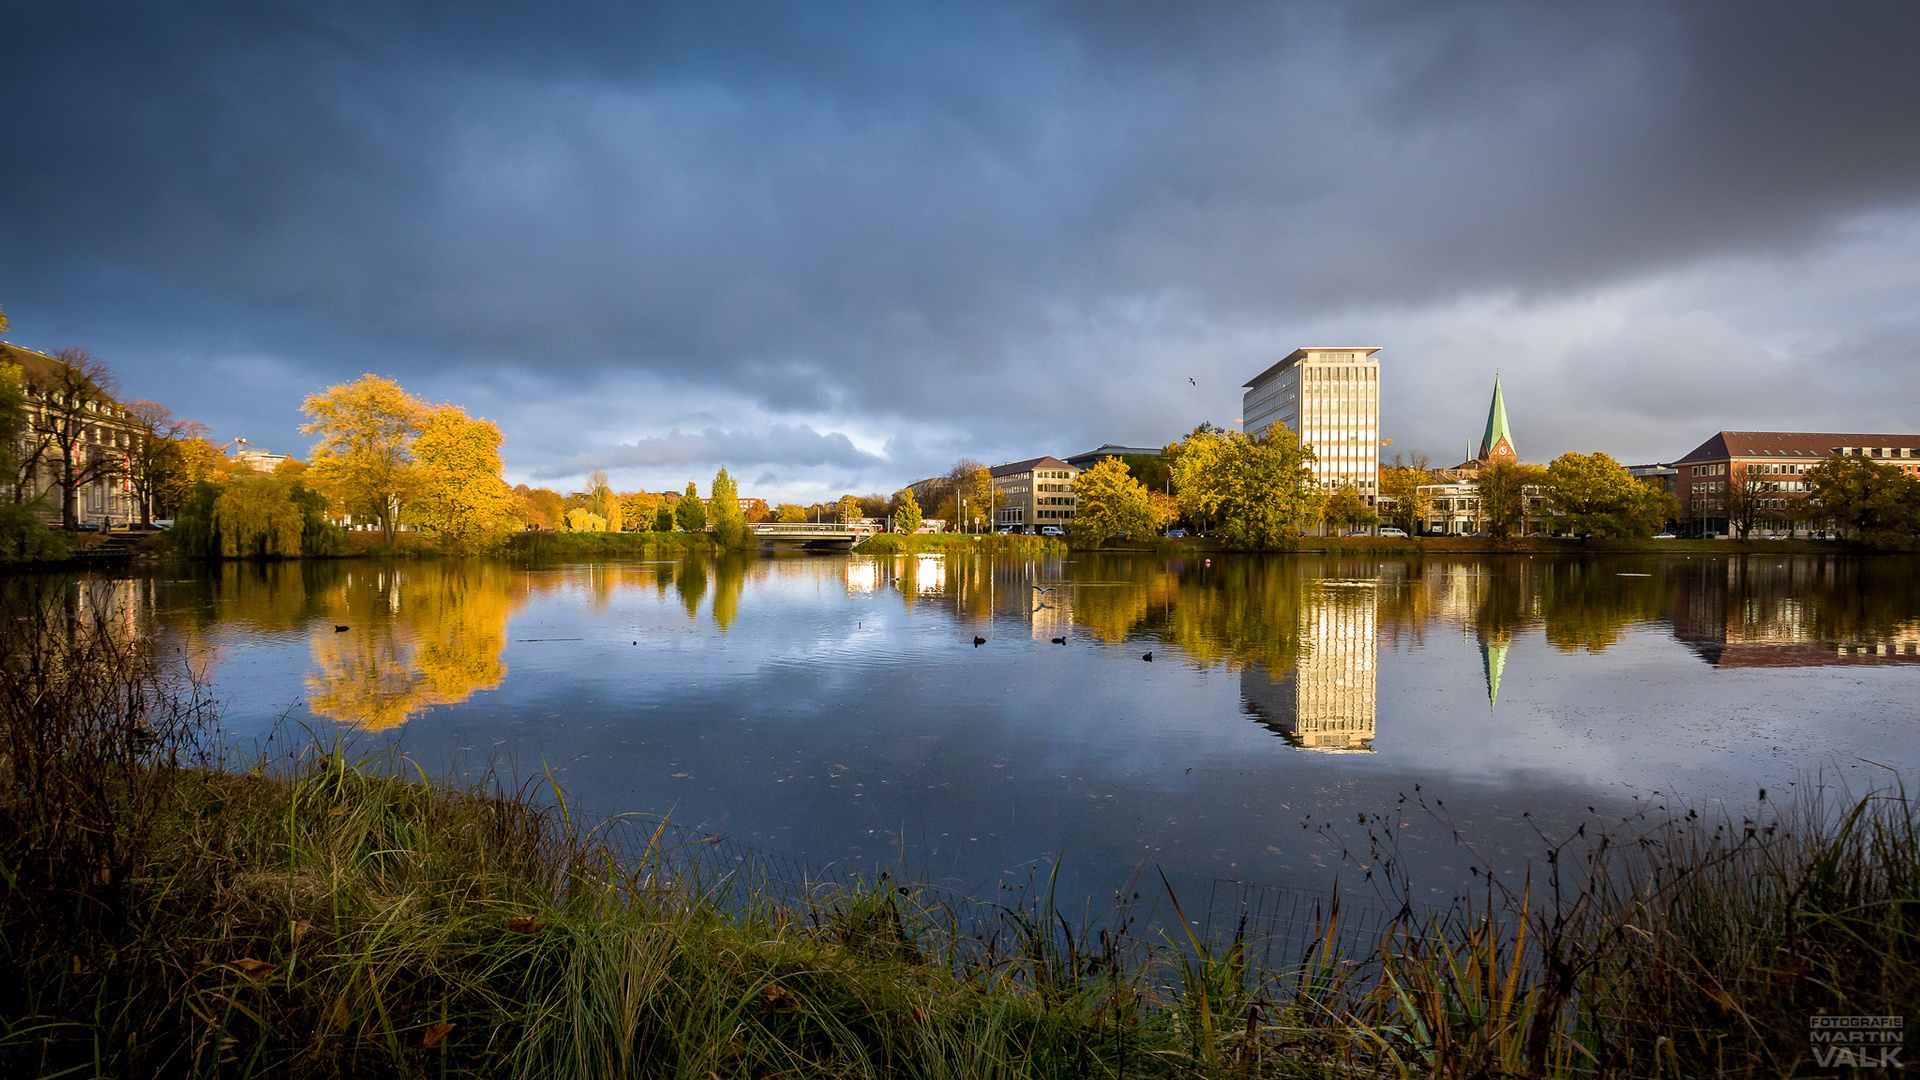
324	917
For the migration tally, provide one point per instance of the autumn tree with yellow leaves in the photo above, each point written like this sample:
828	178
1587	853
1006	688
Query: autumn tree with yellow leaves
461	498
364	459
387	455
1111	503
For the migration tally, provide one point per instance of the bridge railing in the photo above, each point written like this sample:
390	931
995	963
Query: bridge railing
792	528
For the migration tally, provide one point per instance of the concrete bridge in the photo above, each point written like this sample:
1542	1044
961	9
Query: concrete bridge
808	534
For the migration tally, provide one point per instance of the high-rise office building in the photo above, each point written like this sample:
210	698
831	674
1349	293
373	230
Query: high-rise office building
1330	398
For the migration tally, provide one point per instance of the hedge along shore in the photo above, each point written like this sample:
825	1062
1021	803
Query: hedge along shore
321	916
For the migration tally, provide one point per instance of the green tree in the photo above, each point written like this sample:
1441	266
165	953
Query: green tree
1594	495
907	518
1111	503
461	498
364	458
1502	490
730	529
663	517
849	508
1869	502
789	514
689	514
13	425
1258	489
1347	509
23	538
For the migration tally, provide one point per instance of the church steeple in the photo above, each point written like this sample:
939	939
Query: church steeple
1497	443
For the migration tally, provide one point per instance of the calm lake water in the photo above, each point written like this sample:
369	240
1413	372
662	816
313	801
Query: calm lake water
838	709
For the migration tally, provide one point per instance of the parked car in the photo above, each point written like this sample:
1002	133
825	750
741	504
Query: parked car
1052	530
1175	532
1007	530
1393	532
1665	536
163	523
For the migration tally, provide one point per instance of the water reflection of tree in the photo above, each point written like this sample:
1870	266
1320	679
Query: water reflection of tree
429	634
1240	611
1588	603
690	581
729	579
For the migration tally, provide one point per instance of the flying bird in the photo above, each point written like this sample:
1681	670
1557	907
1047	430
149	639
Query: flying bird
1040	590
1190	379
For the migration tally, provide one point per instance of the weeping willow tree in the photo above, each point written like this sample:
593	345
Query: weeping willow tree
256	518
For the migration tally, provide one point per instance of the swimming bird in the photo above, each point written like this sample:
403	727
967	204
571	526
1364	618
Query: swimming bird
1148	658
339	629
1059	641
978	641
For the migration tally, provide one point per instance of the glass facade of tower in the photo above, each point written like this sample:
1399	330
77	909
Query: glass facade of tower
1330	398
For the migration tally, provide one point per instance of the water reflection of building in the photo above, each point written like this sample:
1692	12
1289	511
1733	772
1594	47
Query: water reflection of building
1327	702
1051	612
1739	613
1493	664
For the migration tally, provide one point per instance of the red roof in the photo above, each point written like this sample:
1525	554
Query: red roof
1794	444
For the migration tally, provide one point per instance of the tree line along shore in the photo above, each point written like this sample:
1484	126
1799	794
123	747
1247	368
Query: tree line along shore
427	479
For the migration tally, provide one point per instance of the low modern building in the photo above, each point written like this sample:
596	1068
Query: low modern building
1330	398
1775	462
1033	493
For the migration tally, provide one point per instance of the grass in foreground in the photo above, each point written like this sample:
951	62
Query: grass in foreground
325	918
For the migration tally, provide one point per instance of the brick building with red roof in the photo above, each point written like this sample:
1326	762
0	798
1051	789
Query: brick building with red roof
1776	461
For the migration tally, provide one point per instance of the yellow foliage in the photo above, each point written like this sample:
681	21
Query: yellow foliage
256	518
364	460
462	499
431	634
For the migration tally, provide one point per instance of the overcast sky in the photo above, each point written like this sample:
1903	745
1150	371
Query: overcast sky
836	246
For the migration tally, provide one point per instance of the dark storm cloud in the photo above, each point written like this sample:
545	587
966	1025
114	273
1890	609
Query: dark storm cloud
778	445
916	212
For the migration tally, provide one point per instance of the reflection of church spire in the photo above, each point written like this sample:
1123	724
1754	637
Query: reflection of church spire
1493	661
1497	443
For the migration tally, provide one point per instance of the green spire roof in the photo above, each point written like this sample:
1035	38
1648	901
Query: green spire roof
1497	429
1493	662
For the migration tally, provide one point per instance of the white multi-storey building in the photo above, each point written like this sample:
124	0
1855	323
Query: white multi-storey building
1330	398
